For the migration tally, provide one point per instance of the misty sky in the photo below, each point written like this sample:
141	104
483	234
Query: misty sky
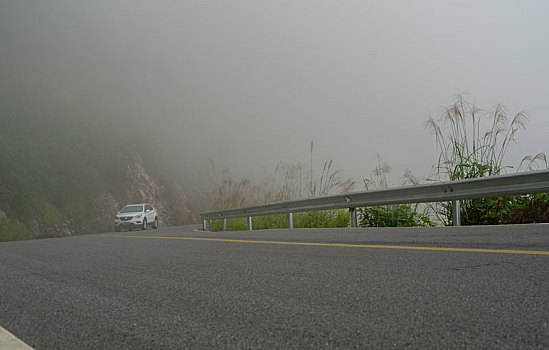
251	83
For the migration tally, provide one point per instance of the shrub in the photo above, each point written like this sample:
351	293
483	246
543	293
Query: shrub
401	215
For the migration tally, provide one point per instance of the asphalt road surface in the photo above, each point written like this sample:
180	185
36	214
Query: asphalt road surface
303	288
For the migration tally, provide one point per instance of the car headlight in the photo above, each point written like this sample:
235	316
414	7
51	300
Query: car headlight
138	216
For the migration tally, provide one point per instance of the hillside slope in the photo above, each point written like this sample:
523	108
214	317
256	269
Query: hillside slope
63	174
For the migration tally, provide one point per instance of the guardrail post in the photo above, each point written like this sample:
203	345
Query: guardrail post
249	223
204	224
224	224
290	221
352	212
456	213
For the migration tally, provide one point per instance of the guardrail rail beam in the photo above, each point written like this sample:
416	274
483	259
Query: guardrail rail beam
493	186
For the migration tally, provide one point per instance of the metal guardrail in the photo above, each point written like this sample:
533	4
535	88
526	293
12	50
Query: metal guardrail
493	186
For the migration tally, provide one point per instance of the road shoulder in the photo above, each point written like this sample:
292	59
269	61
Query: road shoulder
11	342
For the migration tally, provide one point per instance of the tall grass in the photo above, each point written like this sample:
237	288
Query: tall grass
472	143
314	219
329	180
396	215
287	182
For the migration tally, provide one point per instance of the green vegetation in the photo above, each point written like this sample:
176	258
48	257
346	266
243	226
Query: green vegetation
57	167
64	173
398	215
401	215
524	209
288	182
46	177
314	219
471	144
10	231
467	150
323	219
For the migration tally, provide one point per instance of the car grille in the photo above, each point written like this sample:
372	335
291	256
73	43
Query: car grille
125	218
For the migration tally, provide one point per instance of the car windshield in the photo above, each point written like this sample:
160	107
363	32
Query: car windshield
132	209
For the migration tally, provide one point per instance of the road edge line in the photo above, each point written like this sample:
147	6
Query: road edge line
9	341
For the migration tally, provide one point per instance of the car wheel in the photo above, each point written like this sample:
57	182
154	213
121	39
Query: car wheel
145	224
155	226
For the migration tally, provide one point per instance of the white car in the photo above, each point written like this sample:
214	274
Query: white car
136	216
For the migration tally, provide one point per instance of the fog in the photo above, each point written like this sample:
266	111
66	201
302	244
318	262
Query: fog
252	83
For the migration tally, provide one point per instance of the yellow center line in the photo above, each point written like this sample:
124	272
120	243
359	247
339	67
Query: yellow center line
443	249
